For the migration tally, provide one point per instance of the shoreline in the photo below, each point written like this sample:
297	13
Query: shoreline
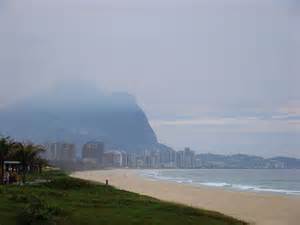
255	208
220	185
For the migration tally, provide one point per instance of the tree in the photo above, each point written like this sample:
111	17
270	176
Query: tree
6	147
28	154
39	163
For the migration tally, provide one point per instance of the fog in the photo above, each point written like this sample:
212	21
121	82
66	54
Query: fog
217	75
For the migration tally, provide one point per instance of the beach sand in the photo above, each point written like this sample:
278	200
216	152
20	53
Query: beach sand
255	208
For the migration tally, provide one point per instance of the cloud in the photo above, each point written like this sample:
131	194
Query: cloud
292	108
221	121
191	64
279	124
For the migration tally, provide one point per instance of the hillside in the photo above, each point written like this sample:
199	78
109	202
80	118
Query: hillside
77	113
65	200
241	161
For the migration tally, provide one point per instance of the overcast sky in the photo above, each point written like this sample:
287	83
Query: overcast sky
219	76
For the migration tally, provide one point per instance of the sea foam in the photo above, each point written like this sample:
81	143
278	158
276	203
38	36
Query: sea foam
162	175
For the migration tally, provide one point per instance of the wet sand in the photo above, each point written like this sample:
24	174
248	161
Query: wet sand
255	208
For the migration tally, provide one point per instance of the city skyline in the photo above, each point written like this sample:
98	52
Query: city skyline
94	155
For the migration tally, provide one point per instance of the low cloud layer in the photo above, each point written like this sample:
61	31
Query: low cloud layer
236	124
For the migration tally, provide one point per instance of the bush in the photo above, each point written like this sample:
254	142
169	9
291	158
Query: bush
19	197
68	183
38	212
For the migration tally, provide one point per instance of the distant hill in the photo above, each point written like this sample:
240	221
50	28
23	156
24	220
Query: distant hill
79	112
287	162
241	161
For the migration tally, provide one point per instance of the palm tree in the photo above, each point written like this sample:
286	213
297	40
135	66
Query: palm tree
6	147
39	163
27	154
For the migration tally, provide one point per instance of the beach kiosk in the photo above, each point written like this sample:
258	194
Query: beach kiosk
12	171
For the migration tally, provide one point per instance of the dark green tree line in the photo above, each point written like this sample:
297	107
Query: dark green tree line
28	154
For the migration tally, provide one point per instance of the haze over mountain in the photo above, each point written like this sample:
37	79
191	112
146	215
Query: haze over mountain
78	112
219	76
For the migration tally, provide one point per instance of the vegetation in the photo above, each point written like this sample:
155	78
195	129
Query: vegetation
6	147
57	199
69	201
37	212
28	154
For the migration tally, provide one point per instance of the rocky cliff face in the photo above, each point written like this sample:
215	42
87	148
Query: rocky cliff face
80	113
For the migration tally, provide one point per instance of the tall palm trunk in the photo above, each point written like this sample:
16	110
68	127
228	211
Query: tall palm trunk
2	172
24	172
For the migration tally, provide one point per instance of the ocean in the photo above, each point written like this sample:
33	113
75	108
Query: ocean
286	182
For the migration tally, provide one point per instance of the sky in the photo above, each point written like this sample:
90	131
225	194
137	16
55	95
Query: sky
219	76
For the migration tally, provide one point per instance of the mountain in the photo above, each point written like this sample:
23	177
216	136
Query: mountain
287	162
79	112
242	161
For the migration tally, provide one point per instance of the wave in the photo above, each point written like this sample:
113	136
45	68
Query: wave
212	184
253	188
265	189
156	175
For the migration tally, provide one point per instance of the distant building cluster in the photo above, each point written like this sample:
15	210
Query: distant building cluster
60	152
94	154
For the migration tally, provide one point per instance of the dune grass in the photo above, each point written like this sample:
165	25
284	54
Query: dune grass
70	201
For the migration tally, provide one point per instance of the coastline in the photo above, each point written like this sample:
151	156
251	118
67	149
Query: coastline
255	208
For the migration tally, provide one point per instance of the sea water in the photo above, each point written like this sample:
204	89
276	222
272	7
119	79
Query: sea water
254	180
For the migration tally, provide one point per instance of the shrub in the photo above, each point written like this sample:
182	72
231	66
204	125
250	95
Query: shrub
38	212
67	183
19	197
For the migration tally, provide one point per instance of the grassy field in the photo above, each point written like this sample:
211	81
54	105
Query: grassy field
69	201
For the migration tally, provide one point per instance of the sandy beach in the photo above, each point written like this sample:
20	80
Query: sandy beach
255	208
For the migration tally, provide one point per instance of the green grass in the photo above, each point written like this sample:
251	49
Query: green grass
85	203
